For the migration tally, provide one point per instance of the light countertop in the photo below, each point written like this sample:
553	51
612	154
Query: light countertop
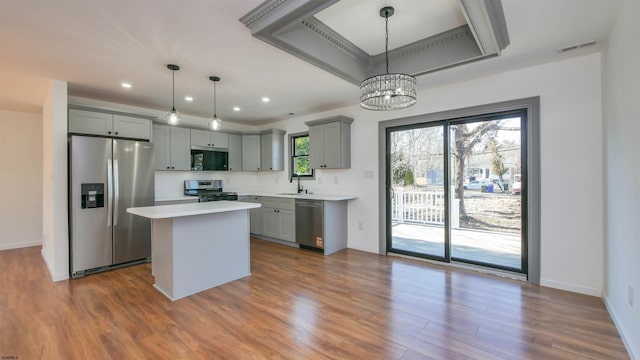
176	198
179	210
325	197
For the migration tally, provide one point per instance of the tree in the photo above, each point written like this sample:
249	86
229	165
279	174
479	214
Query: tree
497	160
399	167
465	138
408	178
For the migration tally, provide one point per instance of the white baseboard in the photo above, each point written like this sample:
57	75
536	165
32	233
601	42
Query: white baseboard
20	245
571	287
617	324
54	277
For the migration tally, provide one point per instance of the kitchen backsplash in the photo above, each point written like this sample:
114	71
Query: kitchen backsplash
171	183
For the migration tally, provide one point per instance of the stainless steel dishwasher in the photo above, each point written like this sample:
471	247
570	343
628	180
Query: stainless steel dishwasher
309	224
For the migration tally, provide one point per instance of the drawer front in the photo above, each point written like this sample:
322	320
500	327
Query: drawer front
279	203
287	204
270	202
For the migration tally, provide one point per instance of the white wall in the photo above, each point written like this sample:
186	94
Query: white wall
622	126
21	179
171	183
571	157
55	236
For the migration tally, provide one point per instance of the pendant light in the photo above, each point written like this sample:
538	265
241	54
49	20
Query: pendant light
173	117
388	91
214	122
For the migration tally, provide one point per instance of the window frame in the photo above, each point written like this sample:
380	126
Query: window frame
292	157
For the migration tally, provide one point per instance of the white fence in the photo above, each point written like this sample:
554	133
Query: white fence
422	207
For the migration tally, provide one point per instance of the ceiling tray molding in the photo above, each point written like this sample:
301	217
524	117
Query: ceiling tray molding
290	26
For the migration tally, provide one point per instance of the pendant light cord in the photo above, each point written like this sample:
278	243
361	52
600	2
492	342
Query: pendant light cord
173	89
386	43
215	115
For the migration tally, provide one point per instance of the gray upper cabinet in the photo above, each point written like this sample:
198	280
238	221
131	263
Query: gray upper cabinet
330	143
131	127
172	147
251	152
209	138
272	150
235	152
105	124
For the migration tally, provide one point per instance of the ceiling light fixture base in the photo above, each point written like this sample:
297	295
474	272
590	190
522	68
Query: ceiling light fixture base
386	11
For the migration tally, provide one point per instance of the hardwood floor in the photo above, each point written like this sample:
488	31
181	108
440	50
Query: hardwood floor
298	304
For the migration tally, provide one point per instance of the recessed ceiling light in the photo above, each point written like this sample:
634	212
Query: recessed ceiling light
126	85
235	108
188	98
265	99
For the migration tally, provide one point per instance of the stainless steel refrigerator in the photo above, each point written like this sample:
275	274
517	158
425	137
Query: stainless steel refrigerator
107	176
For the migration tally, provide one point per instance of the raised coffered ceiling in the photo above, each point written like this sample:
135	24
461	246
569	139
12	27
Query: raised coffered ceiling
470	30
413	20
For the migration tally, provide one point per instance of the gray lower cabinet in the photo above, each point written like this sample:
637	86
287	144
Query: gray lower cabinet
172	147
235	152
279	218
107	124
256	217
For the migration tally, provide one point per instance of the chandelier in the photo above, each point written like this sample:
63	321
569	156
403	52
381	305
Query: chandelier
388	91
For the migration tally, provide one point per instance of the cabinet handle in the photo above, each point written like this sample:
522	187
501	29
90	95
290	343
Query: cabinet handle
116	133
168	167
108	132
172	167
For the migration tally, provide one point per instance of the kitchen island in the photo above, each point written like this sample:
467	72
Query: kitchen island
198	246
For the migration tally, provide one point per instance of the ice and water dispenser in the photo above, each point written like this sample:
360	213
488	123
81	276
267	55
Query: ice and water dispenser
92	195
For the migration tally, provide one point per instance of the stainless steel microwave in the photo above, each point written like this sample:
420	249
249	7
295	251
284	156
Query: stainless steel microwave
209	159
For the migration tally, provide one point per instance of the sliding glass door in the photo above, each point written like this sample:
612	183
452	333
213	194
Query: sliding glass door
486	173
416	164
456	190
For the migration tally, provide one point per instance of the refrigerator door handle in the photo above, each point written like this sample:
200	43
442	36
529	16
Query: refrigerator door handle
109	191
116	192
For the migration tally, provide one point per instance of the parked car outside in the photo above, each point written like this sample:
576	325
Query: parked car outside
476	184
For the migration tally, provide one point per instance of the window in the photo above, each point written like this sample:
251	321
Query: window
299	164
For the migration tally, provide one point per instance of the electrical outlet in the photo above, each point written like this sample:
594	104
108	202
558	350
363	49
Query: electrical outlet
630	296
360	227
335	180
368	174
319	180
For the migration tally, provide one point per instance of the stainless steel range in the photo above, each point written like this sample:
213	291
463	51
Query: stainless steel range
207	190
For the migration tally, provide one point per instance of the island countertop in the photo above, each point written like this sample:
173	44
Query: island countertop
179	210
